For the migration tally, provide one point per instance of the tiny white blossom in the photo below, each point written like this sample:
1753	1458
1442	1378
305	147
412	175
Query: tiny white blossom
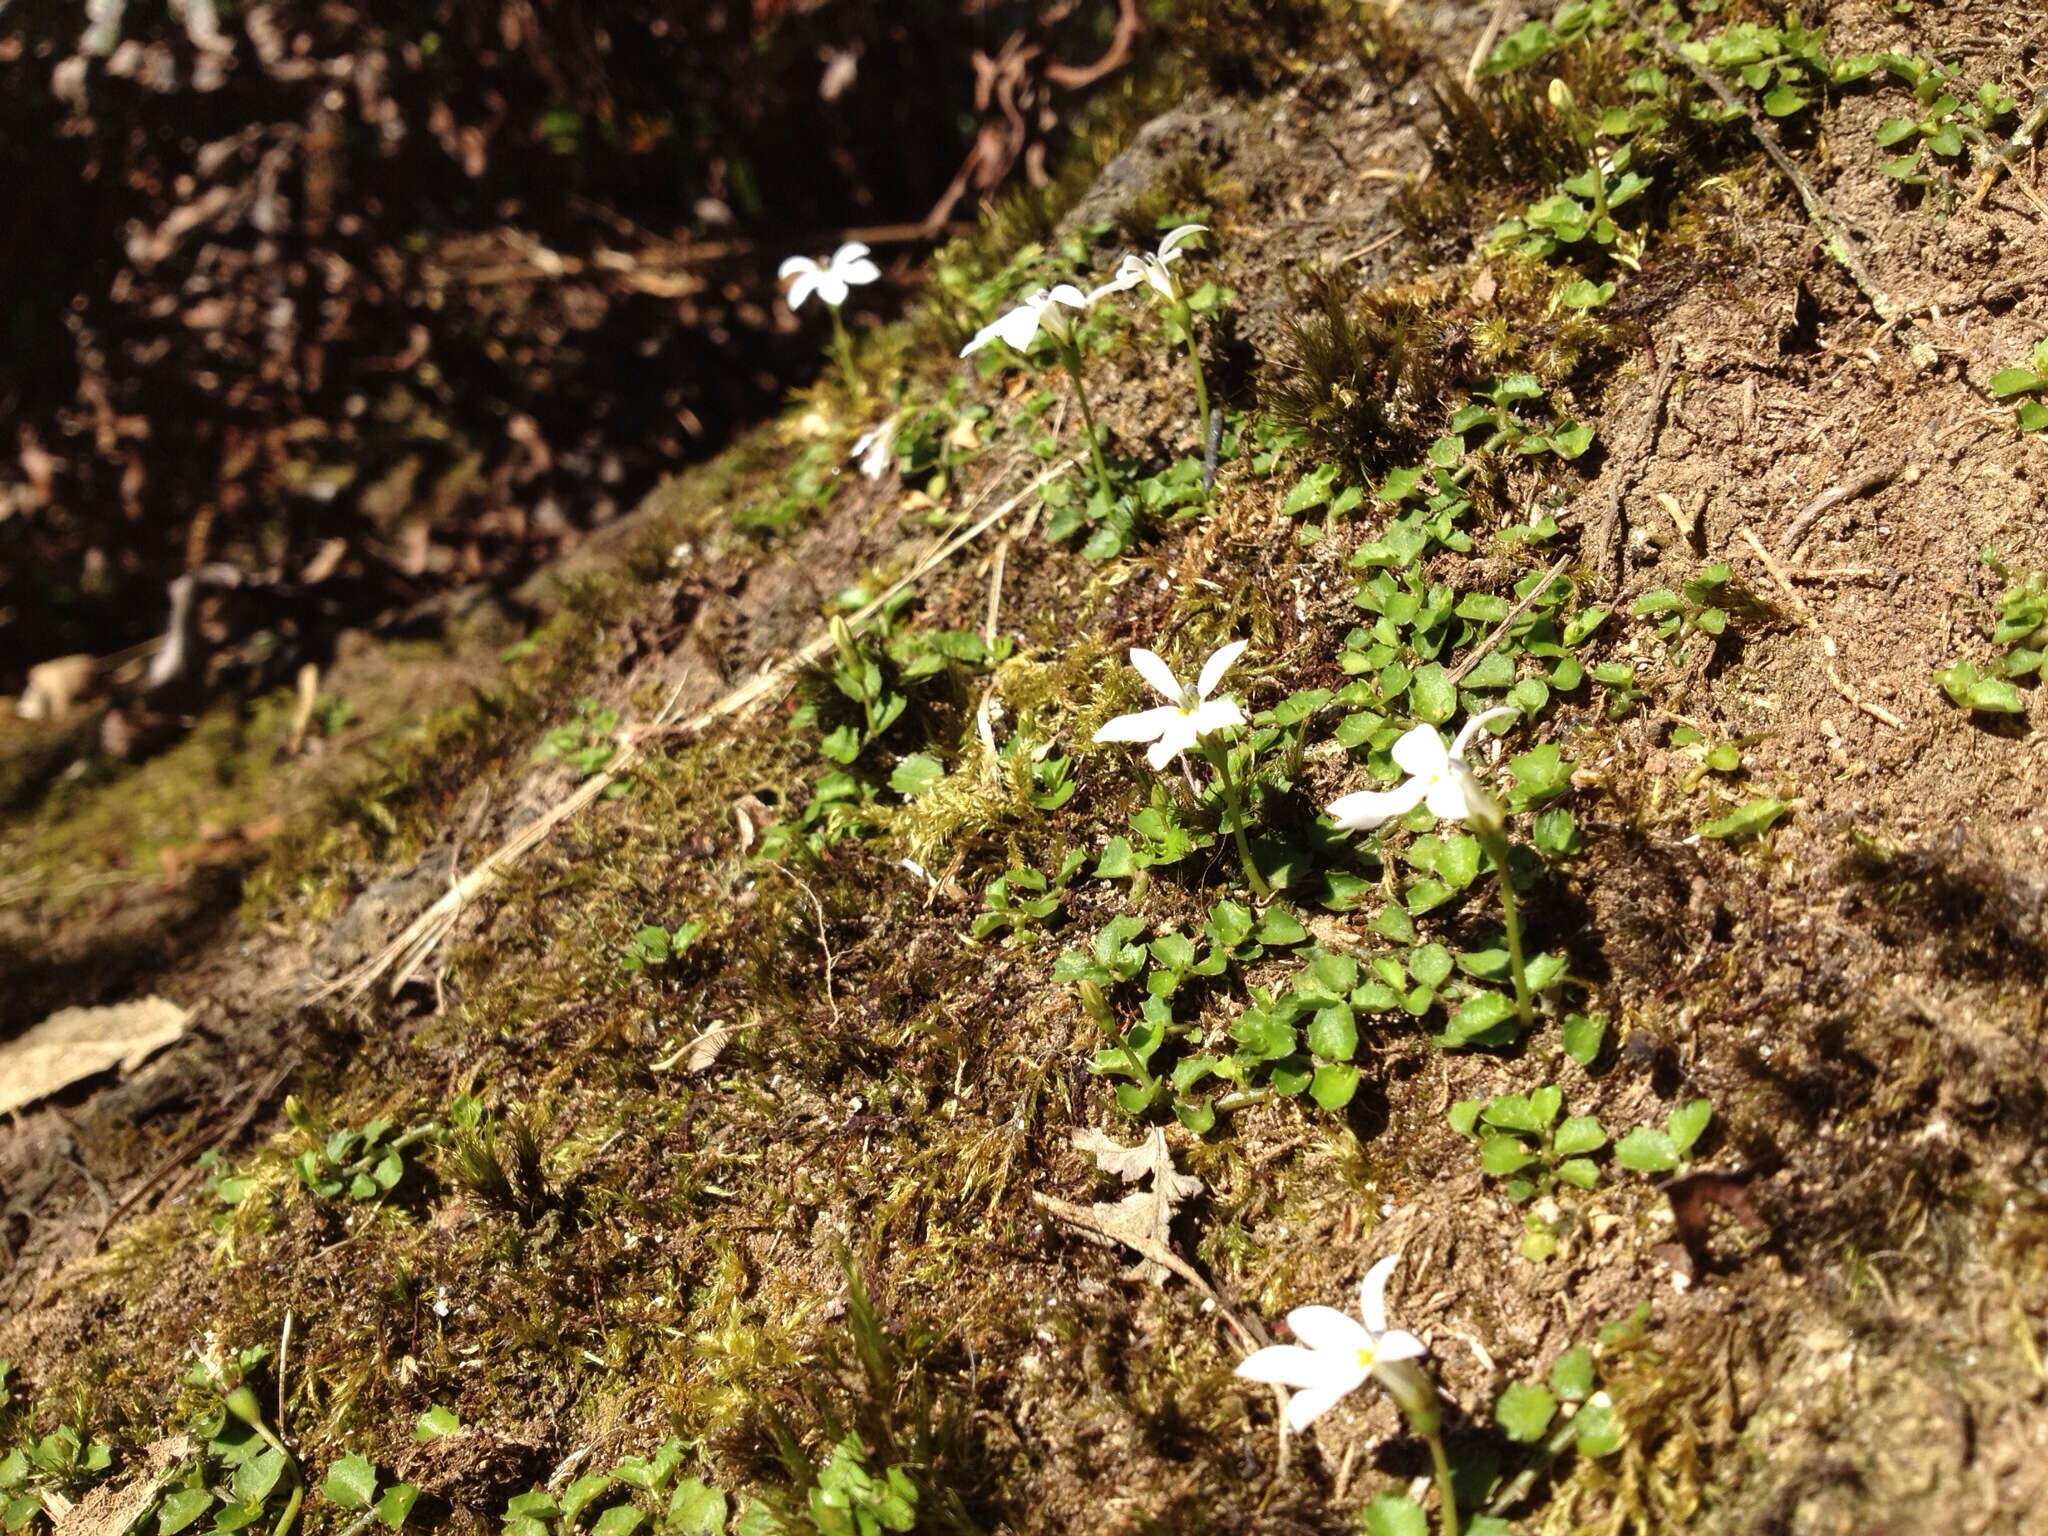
876	449
832	281
1189	713
1041	311
1336	1355
1157	268
1437	777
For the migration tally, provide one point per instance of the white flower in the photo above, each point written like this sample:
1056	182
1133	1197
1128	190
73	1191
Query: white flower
834	280
876	449
1340	1354
1156	269
1189	713
1438	778
1039	312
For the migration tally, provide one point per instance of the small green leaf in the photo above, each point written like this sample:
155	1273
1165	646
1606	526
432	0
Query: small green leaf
1556	834
396	1504
1647	1150
1395	1514
1783	102
1584	1034
2015	381
1597	1431
1333	1085
696	1510
1333	1034
619	1520
1571	1374
1430	965
1524	1411
1432	694
181	1508
436	1422
1687	1122
1503	1155
1746	820
916	774
1579	1135
351	1483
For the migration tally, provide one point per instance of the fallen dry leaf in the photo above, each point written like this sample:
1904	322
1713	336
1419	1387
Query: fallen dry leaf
109	1510
1143	1219
53	686
75	1043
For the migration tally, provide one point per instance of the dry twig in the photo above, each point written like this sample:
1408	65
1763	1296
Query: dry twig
1606	546
406	953
1848	490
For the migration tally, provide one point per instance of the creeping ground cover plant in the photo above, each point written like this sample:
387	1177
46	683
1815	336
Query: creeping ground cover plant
1440	780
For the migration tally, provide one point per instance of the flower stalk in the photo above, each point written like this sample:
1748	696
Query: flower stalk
1233	804
1070	356
1495	843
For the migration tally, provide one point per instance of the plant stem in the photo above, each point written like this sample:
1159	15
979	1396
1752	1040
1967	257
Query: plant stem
1071	356
1219	756
842	347
1446	1495
1185	319
1496	846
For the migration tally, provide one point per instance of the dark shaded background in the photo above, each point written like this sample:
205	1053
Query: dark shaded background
373	299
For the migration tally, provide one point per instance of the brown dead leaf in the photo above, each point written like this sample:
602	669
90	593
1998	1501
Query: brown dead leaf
1143	1219
109	1510
74	1043
53	686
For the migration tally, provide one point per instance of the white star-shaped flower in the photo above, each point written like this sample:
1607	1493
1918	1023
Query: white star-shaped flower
1189	713
1039	312
832	281
1437	777
876	449
1157	268
1337	1354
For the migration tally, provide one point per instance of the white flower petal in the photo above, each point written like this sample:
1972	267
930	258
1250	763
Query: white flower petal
1372	1294
809	282
1458	796
1069	295
1129	273
1162	281
1145	725
1020	325
1178	737
1398	1344
1218	664
1328	1331
1153	668
1479	722
1304	1408
1169	248
1289	1365
1216	715
1370	808
831	287
1421	752
849	253
862	271
794	265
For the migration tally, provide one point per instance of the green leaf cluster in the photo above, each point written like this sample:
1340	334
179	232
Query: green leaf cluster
639	1494
2026	386
1650	1149
1521	1140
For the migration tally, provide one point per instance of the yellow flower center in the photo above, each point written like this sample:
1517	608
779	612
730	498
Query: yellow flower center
1365	1357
